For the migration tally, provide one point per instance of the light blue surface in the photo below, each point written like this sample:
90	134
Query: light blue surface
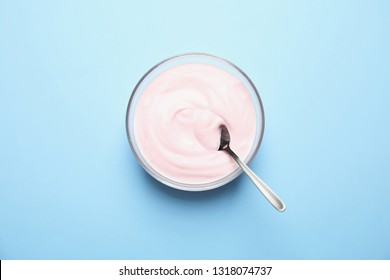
70	187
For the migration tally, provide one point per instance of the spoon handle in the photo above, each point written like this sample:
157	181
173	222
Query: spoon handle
263	187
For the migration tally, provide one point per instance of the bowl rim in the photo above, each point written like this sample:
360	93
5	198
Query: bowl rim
184	186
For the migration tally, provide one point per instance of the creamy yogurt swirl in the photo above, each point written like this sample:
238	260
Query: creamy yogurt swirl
177	122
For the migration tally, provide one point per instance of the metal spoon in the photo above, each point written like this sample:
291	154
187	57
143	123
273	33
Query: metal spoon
263	188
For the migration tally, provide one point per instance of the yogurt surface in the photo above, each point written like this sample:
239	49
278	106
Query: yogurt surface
177	122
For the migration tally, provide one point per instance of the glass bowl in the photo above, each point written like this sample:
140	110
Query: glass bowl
184	59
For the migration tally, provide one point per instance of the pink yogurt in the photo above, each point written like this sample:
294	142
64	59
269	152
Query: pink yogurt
177	122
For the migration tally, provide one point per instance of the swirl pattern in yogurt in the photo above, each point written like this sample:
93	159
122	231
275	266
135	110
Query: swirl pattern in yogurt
177	122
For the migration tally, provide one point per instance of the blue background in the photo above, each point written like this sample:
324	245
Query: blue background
70	187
